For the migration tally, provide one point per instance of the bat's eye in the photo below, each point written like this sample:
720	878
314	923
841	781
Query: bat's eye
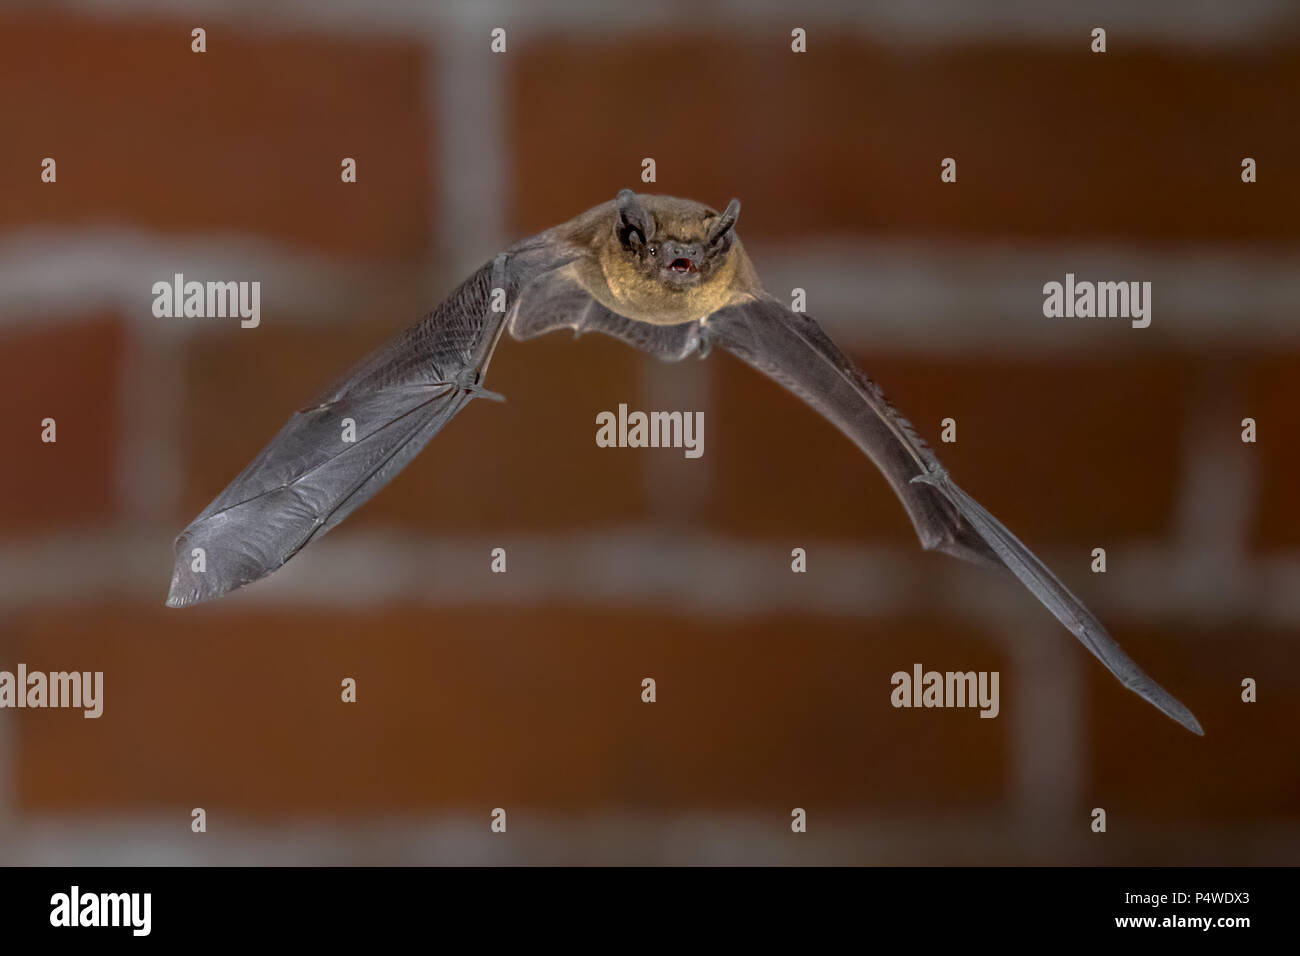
654	250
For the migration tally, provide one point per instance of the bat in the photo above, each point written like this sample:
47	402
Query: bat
668	276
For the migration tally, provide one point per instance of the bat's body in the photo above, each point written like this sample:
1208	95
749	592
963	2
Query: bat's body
665	275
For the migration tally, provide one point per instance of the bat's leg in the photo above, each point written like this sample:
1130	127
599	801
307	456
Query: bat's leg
705	341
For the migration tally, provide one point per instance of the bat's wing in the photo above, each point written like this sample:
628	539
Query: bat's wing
334	455
790	348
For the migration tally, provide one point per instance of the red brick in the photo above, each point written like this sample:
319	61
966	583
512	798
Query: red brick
1050	141
531	709
67	372
1146	768
1270	394
246	137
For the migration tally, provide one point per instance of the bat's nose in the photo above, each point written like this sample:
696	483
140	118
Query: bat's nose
682	257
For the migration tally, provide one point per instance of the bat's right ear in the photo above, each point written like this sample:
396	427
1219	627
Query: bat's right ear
635	224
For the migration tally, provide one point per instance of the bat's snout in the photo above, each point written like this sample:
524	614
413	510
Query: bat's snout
681	260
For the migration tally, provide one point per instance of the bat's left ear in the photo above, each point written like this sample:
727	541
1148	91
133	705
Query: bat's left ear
720	228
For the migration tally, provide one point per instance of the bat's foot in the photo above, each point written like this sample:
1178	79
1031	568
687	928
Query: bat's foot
704	343
937	475
477	391
471	381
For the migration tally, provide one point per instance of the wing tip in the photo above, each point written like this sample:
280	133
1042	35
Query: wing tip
1163	701
181	592
184	593
1099	643
190	586
1181	715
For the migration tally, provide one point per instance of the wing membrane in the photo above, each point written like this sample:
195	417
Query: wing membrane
332	457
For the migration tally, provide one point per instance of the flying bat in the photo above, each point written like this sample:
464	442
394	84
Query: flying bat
668	276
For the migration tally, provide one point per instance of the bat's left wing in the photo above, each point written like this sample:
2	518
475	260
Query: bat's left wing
790	348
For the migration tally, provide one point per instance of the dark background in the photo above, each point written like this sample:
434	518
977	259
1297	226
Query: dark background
522	690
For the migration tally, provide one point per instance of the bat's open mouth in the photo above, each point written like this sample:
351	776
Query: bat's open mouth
682	264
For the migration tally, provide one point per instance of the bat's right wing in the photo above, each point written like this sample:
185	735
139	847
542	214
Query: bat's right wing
334	455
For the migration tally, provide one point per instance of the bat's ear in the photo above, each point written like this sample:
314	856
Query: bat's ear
720	228
633	220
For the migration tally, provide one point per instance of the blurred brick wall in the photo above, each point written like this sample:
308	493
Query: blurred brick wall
529	698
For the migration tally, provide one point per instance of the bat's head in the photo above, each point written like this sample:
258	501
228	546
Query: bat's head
663	260
677	243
